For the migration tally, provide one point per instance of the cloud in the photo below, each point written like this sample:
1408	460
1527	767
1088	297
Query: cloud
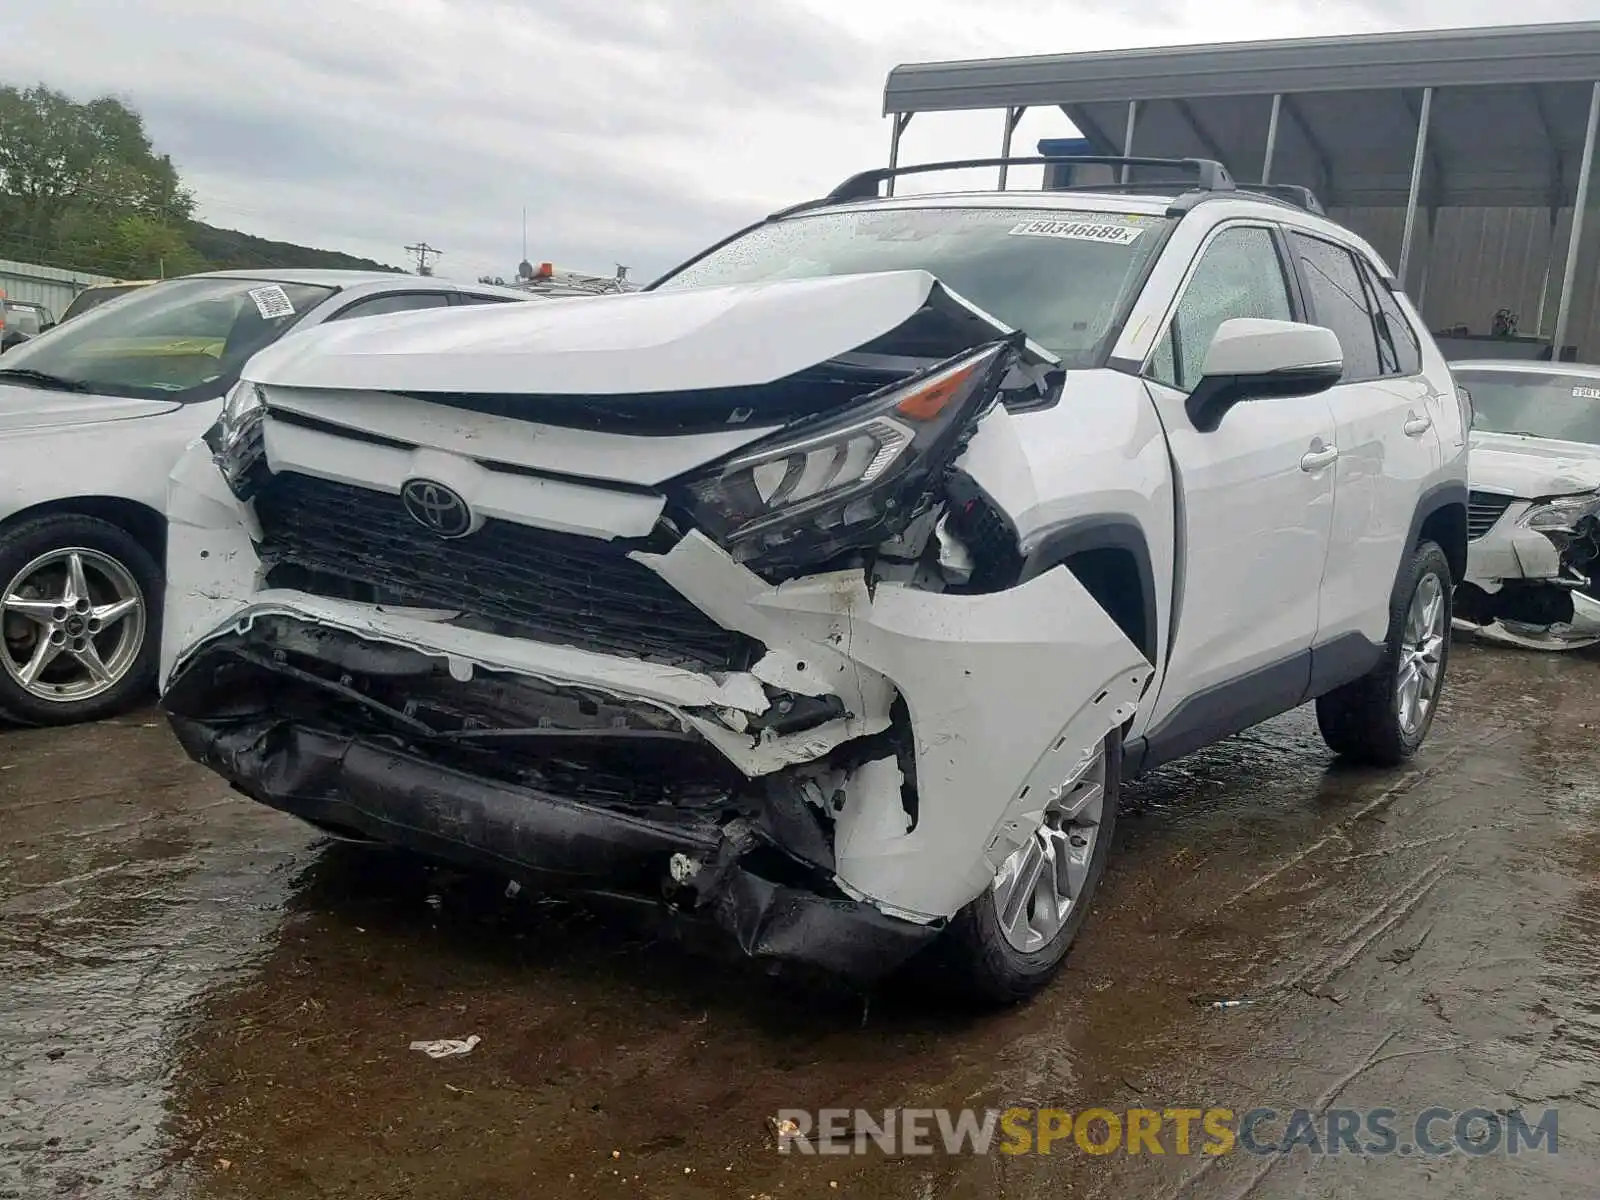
633	131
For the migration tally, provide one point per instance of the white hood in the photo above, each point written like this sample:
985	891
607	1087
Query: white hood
23	407
1531	468
669	341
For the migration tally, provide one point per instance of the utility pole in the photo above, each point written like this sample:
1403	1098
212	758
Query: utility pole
422	250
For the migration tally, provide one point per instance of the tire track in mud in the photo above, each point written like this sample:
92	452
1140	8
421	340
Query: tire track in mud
1339	831
1393	908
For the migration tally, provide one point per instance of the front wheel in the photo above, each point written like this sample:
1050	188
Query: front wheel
1010	941
79	622
1383	717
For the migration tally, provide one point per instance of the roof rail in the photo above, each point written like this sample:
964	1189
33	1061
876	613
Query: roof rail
1289	193
1209	175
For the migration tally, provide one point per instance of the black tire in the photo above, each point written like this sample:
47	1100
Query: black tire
978	960
1361	720
21	545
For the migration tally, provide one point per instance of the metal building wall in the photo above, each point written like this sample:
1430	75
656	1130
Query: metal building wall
49	286
1484	259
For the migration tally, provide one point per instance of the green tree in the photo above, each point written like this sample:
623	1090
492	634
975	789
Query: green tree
82	187
84	171
130	245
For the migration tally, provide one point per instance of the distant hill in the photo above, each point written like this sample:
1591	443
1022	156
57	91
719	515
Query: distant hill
228	249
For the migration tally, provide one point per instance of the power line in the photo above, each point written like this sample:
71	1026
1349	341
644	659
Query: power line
422	250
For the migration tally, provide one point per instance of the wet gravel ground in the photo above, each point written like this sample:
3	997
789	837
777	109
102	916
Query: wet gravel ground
200	998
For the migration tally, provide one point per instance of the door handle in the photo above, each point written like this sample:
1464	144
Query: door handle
1316	460
1416	426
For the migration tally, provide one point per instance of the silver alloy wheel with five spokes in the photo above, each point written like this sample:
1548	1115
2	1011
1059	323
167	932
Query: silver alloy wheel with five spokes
1421	655
72	623
1039	884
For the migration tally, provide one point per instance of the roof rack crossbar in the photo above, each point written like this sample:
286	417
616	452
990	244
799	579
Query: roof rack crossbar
1209	175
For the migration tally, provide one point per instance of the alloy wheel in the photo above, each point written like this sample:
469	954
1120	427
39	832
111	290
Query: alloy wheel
1421	655
1040	883
72	623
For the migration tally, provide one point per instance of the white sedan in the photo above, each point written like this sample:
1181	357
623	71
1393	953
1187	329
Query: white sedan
1533	554
93	415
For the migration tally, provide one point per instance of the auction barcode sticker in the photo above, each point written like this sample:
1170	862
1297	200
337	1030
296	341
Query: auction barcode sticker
272	302
1080	231
1586	393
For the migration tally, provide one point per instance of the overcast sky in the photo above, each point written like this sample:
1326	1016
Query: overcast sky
633	131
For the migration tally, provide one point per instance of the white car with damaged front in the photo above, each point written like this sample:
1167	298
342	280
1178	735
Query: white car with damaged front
804	594
1533	552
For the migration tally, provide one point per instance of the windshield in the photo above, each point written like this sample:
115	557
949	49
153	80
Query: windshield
185	339
1536	403
1058	276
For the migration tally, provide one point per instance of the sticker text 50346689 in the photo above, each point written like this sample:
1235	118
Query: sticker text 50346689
1080	231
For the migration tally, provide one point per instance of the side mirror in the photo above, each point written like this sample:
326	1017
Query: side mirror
1254	359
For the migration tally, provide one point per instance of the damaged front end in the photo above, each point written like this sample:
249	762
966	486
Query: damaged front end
1533	578
758	654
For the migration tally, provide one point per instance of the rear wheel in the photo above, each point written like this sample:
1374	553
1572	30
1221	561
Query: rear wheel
1383	717
78	620
1010	941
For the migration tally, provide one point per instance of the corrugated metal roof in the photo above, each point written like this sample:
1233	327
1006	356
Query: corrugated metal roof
1563	53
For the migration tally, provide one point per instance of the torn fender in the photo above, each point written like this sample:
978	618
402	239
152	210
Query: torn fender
1007	693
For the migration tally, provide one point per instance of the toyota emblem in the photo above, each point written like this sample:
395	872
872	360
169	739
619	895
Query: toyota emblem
437	507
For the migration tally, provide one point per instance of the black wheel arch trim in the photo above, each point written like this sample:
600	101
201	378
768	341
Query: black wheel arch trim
1060	543
1438	498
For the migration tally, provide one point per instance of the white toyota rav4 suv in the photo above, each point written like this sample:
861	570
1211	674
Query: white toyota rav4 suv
825	592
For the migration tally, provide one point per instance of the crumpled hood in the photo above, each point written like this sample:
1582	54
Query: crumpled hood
26	408
1532	468
649	342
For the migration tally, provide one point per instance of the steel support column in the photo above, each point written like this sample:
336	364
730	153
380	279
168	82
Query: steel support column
1417	160
1272	139
1013	118
1544	280
1575	242
1127	136
898	127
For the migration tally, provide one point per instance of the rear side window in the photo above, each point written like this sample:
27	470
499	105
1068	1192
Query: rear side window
1338	299
1399	351
477	298
1239	275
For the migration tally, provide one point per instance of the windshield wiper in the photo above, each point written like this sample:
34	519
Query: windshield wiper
43	379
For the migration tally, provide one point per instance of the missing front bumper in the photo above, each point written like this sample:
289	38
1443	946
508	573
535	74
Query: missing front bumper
350	784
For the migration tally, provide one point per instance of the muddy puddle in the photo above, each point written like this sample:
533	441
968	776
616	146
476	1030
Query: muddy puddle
201	999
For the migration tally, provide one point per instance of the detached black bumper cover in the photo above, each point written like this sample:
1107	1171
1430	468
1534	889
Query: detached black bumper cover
346	782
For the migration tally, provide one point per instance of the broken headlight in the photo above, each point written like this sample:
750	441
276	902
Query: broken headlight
236	441
1561	514
848	480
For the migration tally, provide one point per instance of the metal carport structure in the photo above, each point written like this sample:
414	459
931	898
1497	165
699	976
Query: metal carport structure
1393	131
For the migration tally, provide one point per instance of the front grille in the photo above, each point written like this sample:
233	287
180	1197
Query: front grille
552	587
1483	510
